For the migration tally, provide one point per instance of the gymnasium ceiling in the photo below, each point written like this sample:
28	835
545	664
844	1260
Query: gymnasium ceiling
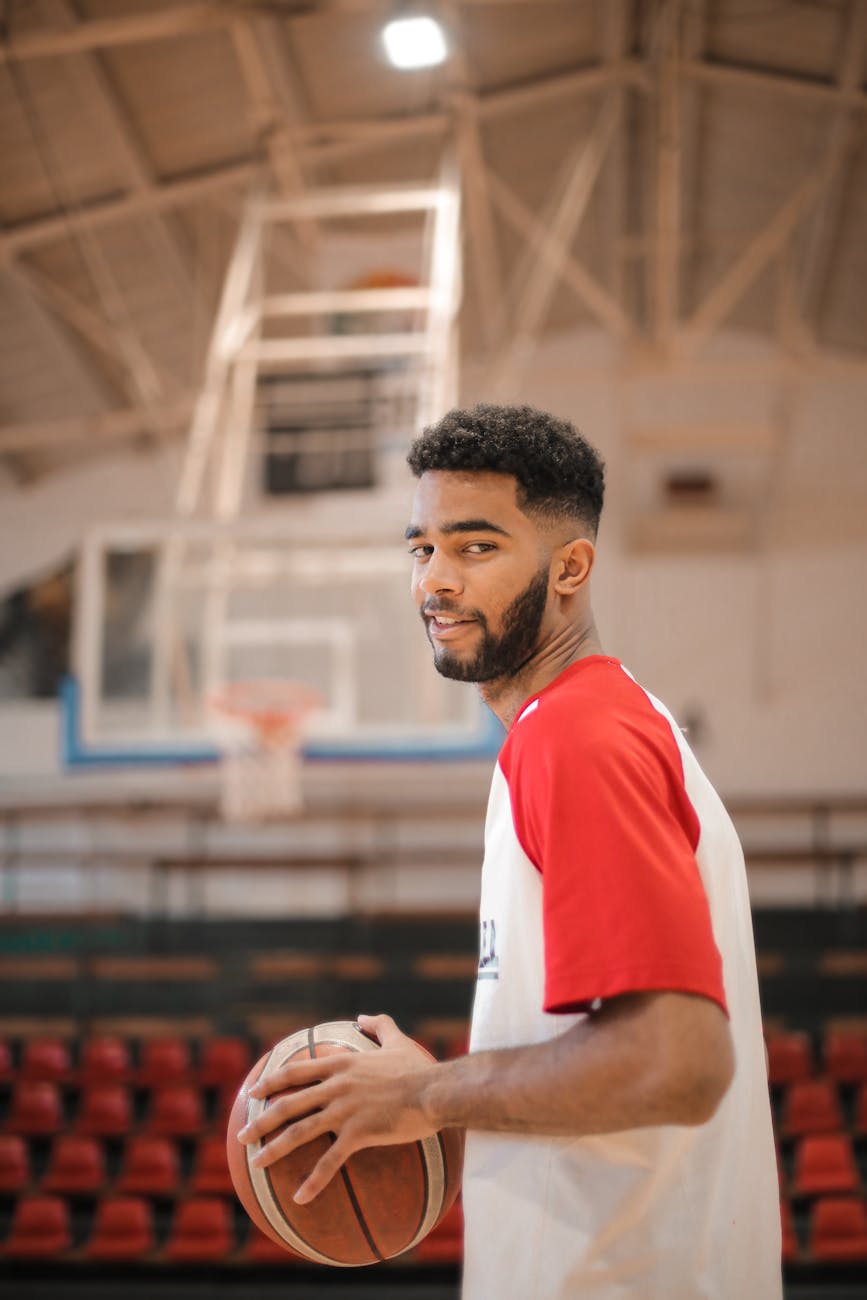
658	169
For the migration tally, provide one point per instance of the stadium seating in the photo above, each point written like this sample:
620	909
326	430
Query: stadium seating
811	1106
14	1164
7	1069
46	1058
210	1174
105	1111
123	1230
76	1165
844	1055
838	1229
261	1249
791	1246
36	1109
40	1228
175	1111
163	1061
105	1059
790	1058
150	1167
824	1163
224	1062
201	1231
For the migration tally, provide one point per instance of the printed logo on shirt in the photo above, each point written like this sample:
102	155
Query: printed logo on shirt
489	962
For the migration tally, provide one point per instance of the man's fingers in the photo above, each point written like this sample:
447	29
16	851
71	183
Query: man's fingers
303	1130
383	1029
281	1111
323	1172
295	1074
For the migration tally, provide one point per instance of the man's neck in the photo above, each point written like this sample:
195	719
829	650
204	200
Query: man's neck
505	695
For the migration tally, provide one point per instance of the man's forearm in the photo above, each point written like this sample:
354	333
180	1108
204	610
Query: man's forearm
625	1068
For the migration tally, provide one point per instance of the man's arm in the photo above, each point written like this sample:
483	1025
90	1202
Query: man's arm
643	1059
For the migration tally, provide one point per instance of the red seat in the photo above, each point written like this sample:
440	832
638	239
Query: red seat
261	1249
811	1106
14	1163
103	1059
105	1110
176	1111
150	1167
224	1062
824	1163
7	1068
123	1228
76	1164
46	1058
210	1176
40	1228
861	1111
838	1229
791	1245
164	1061
790	1057
844	1053
36	1109
225	1103
201	1230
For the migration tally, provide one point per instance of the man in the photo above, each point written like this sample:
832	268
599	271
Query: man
615	1096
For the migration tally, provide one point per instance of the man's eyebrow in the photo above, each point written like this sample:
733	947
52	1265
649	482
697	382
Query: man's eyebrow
459	526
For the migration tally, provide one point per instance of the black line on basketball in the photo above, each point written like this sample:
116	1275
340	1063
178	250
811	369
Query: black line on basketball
347	1181
293	1227
359	1214
426	1198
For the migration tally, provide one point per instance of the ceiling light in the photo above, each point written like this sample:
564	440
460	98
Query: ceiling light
414	42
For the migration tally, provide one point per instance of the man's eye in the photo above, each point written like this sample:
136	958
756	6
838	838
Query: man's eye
418	552
479	548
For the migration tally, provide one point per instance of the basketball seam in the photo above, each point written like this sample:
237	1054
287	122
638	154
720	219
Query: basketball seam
344	1172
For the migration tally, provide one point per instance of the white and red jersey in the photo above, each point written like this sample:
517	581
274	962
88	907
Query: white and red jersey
612	867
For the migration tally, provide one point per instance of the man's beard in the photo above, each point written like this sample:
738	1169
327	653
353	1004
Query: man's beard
506	654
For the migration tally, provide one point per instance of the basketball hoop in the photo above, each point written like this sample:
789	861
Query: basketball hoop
258	727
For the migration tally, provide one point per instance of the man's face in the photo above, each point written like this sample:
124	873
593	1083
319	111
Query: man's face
480	574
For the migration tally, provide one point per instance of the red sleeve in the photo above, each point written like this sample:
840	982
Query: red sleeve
600	808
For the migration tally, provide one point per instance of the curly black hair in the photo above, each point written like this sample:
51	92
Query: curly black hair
557	471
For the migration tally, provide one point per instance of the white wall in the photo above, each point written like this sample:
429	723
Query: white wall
766	645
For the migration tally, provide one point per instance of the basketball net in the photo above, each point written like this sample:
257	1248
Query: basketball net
258	726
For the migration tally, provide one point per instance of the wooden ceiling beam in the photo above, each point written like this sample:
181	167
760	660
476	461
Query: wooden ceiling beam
161	197
536	280
45	319
665	177
842	137
98	97
478	217
804	88
590	293
103	33
108	426
263	55
91	326
613	21
764	246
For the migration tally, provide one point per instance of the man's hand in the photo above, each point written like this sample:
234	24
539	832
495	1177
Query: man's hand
363	1099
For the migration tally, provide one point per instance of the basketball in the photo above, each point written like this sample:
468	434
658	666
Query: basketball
382	1202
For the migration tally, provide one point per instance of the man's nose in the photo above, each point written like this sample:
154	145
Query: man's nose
439	575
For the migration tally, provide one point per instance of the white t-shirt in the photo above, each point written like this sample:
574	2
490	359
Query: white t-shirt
610	867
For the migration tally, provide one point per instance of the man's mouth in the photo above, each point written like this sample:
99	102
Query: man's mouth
445	625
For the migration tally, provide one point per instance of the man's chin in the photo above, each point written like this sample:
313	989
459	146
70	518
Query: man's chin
457	670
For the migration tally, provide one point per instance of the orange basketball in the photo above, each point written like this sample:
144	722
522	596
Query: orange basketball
383	1201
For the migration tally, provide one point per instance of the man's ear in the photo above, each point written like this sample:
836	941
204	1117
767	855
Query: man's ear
572	565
